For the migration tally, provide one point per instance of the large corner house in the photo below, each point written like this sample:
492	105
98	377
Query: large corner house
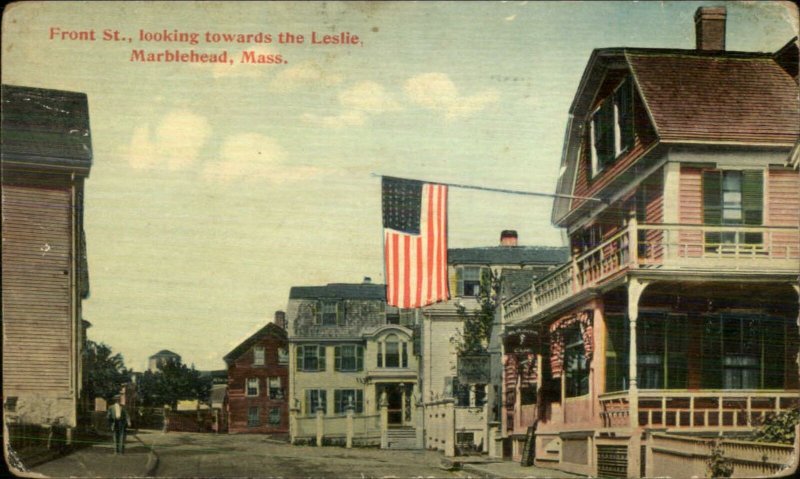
676	313
46	157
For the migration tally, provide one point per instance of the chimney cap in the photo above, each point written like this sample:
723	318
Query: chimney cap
711	13
508	234
367	280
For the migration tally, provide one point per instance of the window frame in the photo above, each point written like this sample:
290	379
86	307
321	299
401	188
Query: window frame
577	378
253	420
262	356
311	402
614	119
274	411
247	387
302	361
357	357
340	403
275	394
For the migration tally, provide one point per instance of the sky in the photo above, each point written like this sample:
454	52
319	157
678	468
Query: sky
216	188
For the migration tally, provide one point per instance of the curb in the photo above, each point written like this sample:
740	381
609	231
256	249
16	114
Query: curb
481	472
152	458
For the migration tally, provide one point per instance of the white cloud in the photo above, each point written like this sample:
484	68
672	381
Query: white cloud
345	119
303	74
368	96
251	156
174	144
437	92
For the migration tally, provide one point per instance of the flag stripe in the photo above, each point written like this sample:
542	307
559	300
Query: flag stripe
416	264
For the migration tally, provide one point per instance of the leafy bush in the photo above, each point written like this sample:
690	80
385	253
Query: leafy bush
718	465
779	427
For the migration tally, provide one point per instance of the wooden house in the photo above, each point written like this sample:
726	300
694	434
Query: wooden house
258	379
46	157
676	313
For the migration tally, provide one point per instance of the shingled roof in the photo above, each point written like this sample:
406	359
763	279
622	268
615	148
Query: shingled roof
339	291
725	97
498	255
269	329
46	128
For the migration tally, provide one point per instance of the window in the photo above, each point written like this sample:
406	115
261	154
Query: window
258	356
732	197
617	348
744	351
283	356
330	312
252	417
252	387
344	397
315	398
456	390
662	351
349	358
311	358
611	129
274	416
275	389
395	353
468	280
575	368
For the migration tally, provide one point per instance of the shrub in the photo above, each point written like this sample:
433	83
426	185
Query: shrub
779	427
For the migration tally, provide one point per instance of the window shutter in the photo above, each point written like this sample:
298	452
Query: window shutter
459	281
337	358
309	403
752	197
712	197
404	355
321	358
337	401
625	104
318	312
323	400
359	358
299	357
359	400
340	313
604	133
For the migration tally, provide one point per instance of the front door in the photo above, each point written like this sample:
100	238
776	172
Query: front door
394	398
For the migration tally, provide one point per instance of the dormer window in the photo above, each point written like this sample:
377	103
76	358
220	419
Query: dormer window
330	312
611	127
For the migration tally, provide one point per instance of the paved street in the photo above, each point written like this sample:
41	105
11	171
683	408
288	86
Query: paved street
208	455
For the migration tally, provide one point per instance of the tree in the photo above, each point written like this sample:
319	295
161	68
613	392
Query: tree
172	383
477	329
104	373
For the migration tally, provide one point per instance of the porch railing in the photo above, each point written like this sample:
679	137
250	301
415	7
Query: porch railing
662	246
700	409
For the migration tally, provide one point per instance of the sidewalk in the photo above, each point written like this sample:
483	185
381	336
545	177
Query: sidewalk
99	460
509	470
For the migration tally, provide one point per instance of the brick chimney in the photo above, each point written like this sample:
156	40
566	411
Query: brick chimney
280	319
508	238
709	26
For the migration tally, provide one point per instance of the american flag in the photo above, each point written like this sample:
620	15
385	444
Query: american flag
415	242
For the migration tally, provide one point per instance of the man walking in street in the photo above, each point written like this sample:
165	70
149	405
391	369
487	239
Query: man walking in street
119	421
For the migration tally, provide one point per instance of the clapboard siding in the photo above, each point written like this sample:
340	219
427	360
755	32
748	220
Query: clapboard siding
783	197
690	209
37	316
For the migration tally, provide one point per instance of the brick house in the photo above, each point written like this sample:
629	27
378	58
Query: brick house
675	317
258	378
46	157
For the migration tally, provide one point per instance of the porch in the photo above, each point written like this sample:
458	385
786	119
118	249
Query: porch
669	247
695	411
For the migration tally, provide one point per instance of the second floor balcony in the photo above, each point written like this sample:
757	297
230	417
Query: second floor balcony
665	247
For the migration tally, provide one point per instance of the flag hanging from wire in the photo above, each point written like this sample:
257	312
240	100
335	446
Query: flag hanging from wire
415	242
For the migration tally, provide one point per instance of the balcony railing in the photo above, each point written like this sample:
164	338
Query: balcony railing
662	246
743	409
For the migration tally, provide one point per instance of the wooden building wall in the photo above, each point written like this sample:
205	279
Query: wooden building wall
239	403
40	300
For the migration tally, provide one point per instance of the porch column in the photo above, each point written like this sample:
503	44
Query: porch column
384	404
320	425
402	404
349	425
293	411
635	289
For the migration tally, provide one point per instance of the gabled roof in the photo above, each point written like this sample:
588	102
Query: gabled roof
691	96
46	128
500	255
339	291
271	329
717	99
